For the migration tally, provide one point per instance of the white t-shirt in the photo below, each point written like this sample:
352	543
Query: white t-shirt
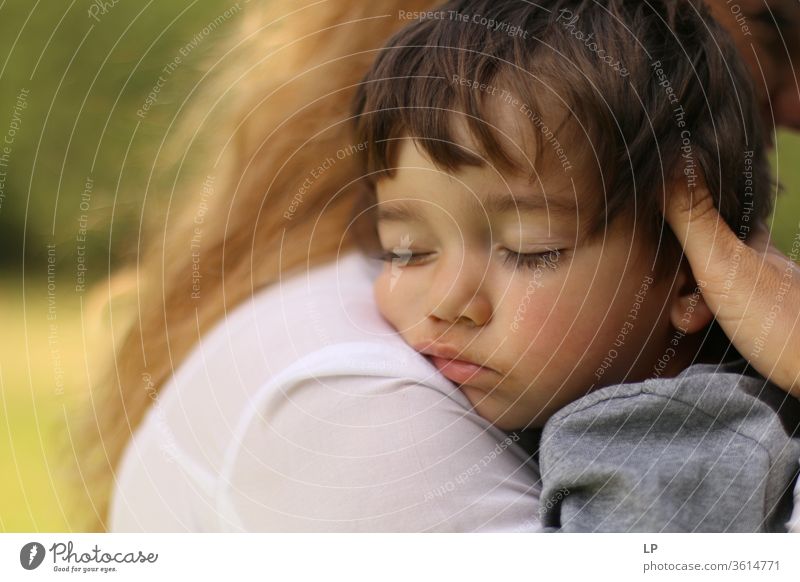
303	410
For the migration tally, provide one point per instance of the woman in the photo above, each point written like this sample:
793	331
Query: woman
280	405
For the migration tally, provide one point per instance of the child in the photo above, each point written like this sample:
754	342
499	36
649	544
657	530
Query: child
518	155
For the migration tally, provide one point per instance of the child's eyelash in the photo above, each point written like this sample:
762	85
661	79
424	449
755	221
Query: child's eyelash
544	260
406	258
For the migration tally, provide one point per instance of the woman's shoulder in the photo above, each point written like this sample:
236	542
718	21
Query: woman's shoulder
319	304
328	309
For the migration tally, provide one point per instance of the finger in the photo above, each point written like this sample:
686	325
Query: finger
708	242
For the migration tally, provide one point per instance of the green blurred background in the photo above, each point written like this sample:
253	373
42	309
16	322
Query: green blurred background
86	77
83	76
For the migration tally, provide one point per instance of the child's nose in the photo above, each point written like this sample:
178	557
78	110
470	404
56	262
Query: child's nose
458	295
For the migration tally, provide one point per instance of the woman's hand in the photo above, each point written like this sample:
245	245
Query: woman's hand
752	287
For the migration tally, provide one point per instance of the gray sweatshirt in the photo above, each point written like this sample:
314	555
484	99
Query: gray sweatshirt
710	450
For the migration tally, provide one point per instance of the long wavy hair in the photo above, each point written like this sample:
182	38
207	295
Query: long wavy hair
275	105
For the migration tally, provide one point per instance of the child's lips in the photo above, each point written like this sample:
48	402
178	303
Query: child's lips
445	358
458	370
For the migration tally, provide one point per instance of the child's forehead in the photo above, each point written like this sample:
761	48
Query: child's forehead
545	163
491	191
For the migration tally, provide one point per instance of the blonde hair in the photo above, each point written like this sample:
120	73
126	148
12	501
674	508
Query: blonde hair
287	76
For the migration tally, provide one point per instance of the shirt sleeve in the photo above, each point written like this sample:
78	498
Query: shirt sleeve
695	454
351	441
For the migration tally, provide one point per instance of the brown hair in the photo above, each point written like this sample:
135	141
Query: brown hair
288	76
657	86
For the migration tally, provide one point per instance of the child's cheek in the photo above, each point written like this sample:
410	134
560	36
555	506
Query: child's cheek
532	313
538	319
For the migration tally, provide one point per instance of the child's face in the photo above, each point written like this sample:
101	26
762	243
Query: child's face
544	333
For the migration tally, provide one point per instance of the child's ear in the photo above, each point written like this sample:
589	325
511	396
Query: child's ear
688	310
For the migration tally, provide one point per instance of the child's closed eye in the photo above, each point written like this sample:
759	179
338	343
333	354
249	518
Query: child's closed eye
543	260
404	257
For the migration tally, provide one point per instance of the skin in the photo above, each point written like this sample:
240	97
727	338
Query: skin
447	280
758	308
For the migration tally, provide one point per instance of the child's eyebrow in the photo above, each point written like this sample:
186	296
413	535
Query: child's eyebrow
410	211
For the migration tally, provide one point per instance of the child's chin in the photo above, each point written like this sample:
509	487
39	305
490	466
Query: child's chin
496	412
